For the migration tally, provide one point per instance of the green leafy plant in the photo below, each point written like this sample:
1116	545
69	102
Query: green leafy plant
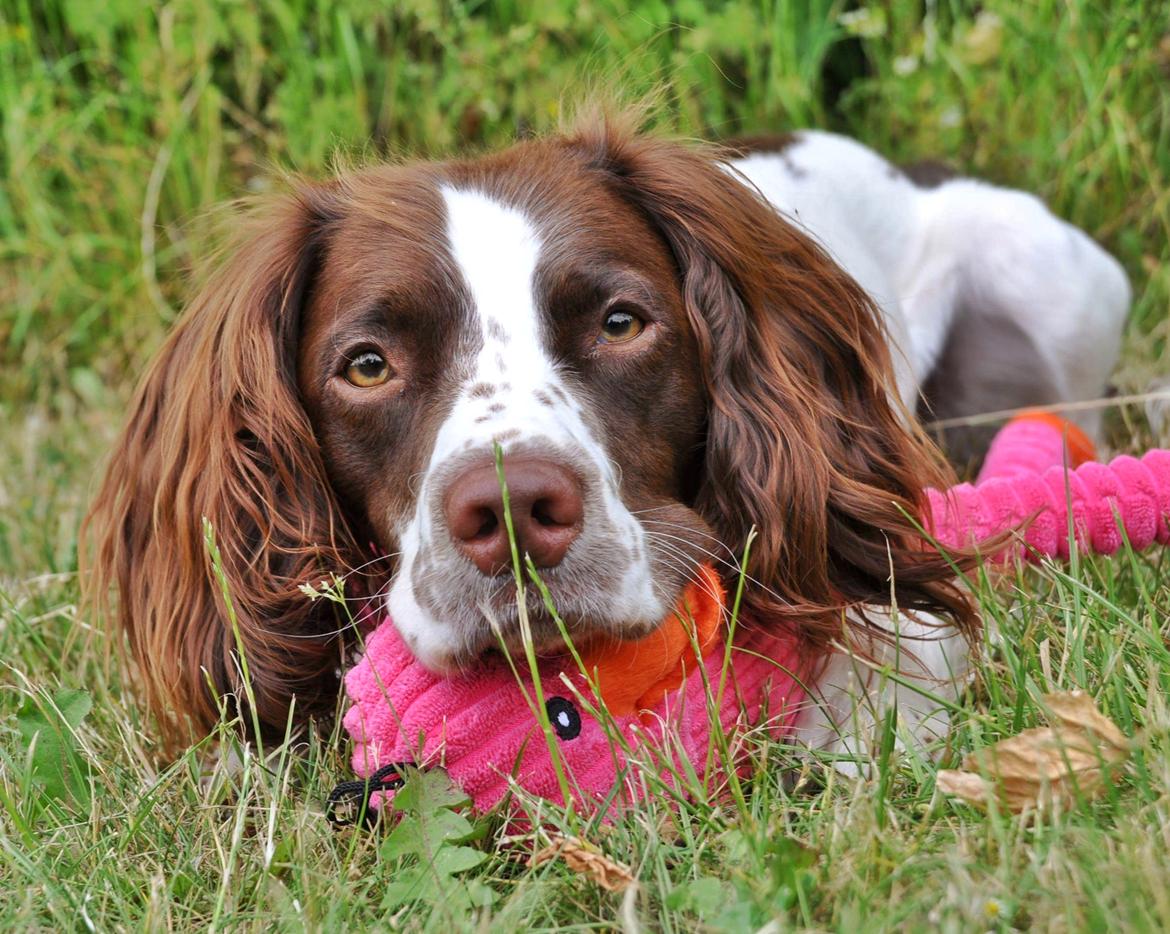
428	847
57	763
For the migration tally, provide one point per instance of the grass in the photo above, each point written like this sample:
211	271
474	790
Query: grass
122	125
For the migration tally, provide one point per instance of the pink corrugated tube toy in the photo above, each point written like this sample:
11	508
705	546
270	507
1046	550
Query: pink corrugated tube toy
483	727
1025	483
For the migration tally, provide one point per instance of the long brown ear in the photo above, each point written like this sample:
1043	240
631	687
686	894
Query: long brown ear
804	441
216	430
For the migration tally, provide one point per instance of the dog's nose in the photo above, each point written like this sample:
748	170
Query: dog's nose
547	507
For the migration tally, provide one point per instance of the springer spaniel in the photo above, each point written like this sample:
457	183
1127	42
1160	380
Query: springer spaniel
672	345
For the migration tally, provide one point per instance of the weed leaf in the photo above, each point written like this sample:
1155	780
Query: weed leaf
58	766
425	847
428	792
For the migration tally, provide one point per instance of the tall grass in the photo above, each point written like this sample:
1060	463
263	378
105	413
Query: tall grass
123	123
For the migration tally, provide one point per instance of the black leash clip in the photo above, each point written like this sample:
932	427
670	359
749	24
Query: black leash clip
349	802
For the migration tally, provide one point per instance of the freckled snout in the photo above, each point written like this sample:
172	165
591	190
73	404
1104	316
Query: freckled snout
548	511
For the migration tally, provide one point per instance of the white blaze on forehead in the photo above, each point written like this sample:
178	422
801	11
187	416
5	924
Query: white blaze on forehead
496	249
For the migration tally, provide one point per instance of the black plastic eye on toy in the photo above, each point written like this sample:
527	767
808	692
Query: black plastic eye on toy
564	717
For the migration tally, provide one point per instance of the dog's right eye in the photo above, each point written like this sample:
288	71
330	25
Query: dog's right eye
367	370
620	325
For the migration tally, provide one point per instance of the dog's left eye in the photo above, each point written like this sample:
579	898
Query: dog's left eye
620	325
367	370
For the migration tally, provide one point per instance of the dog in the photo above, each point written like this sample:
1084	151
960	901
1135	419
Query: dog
683	354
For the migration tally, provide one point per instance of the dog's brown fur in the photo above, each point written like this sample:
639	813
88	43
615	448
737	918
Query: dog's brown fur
796	434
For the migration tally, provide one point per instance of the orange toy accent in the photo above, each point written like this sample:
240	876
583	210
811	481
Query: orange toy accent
634	676
1081	449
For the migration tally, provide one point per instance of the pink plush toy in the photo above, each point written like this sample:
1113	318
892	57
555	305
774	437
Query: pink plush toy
484	729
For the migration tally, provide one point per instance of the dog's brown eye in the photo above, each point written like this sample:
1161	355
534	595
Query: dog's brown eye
367	370
620	326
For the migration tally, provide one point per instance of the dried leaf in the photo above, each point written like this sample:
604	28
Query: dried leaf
1075	710
1070	760
588	860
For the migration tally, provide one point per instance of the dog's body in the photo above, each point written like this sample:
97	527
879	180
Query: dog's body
993	301
665	362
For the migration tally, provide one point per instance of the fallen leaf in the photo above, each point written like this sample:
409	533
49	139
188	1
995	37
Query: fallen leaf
588	860
1071	759
1076	711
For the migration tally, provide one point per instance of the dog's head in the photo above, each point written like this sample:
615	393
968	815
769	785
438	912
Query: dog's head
663	361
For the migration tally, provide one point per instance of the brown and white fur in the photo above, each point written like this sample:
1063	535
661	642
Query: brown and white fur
789	307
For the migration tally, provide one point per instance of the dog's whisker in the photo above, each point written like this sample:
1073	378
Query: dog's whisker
734	565
690	547
351	569
651	535
692	531
372	598
364	598
639	512
687	566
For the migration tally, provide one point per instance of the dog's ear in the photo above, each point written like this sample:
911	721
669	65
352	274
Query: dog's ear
216	431
806	440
